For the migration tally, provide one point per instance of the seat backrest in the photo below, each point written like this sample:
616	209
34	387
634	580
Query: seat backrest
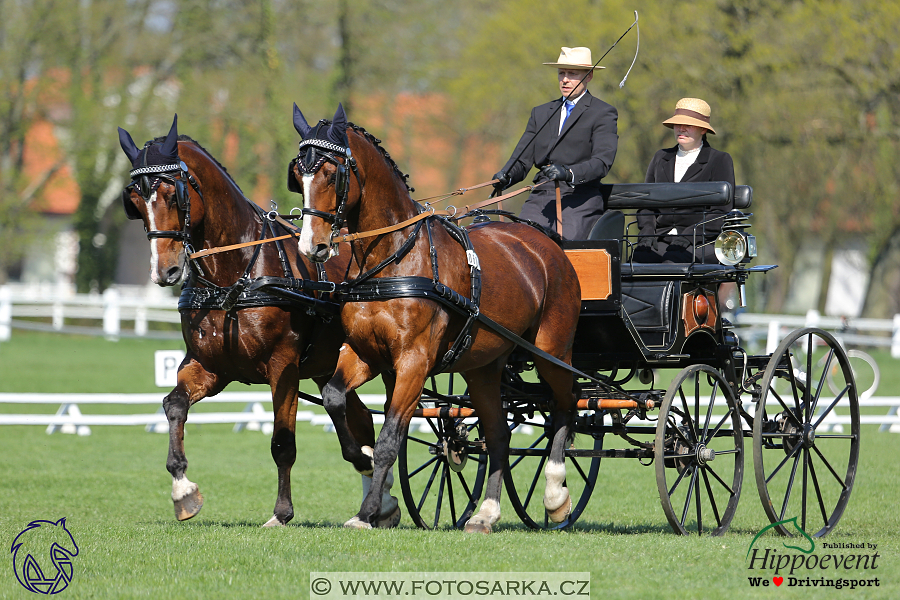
743	196
610	226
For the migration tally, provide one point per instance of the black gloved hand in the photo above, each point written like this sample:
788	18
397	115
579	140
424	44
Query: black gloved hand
502	181
557	172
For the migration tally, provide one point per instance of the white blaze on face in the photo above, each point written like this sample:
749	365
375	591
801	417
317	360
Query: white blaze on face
306	242
154	252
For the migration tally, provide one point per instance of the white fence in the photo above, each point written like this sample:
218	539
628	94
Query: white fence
851	332
69	418
109	310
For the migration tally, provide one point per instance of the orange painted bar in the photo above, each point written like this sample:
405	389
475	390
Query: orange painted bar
585	404
446	412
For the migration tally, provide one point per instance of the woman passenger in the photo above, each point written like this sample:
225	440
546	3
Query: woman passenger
668	235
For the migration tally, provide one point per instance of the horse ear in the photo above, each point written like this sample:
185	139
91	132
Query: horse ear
128	146
170	145
337	132
300	123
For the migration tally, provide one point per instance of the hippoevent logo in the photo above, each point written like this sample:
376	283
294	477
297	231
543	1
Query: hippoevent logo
837	565
42	556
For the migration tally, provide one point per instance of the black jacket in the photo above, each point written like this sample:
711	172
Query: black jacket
586	145
656	225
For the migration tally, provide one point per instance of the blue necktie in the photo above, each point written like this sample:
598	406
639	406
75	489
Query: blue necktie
569	106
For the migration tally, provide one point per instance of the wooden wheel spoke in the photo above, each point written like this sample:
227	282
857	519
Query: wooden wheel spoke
428	487
712	403
542	437
722	482
712	498
690	491
708	438
829	409
790	486
537	475
783	462
440	498
420	469
686	415
815	480
830	468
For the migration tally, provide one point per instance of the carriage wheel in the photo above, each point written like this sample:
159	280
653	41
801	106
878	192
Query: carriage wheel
440	467
699	452
795	436
529	451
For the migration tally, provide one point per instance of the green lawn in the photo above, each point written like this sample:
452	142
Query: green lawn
113	489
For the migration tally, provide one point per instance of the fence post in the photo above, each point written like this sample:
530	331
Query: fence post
895	338
6	314
111	313
812	318
774	336
140	320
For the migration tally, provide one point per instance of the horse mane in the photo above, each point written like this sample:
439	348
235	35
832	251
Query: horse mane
186	138
384	153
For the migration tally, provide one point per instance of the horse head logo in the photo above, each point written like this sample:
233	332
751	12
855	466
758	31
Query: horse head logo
42	556
785	522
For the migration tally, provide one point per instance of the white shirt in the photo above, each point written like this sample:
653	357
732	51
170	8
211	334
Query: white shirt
683	160
562	111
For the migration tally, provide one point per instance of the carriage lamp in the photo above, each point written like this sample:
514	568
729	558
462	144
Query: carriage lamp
734	245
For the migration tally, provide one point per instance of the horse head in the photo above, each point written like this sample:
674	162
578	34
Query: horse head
159	194
321	173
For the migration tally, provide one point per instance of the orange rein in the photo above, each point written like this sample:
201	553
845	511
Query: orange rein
364	234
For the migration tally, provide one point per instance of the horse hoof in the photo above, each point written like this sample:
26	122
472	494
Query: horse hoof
388	522
356	523
562	513
477	527
273	522
189	505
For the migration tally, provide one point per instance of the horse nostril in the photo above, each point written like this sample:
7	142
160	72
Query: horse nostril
173	275
322	251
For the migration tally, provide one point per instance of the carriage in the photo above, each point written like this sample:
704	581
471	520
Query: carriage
637	322
657	367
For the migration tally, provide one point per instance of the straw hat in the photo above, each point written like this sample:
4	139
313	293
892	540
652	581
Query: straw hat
574	58
691	111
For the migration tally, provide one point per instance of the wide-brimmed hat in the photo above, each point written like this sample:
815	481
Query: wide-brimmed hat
691	111
574	58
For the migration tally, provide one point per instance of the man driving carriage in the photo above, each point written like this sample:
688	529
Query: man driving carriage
577	150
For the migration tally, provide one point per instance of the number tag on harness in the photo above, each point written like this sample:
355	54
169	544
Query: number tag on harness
472	258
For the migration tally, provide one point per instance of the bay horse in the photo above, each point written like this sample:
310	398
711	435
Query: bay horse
524	280
187	200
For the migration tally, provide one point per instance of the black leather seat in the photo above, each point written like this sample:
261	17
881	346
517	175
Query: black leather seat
610	226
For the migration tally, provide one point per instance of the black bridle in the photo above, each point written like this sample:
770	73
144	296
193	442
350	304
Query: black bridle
145	179
317	153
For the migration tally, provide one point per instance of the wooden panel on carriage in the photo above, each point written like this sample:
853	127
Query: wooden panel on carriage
598	267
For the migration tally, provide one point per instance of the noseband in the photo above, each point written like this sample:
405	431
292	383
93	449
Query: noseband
317	153
147	178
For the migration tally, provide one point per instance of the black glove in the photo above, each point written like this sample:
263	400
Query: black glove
558	172
502	181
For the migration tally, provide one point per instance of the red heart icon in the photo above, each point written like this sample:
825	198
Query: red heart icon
778	580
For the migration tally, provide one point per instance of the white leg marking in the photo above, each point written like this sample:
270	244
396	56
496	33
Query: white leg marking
490	511
306	232
370	452
182	487
154	253
555	494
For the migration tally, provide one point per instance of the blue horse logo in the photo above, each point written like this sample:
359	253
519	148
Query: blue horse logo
38	546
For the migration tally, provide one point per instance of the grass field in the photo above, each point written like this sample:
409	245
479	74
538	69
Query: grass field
113	489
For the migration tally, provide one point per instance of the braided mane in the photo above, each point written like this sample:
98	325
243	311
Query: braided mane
377	143
186	138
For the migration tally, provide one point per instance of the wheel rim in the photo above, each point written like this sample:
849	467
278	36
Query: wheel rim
699	453
524	476
441	469
805	465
